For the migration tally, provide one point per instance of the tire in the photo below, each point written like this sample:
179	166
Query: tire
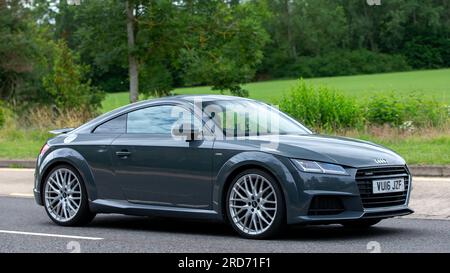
65	197
361	224
258	213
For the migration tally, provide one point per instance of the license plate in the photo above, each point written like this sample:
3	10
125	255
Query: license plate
388	185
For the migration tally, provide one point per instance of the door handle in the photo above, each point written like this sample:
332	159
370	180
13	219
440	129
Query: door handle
123	154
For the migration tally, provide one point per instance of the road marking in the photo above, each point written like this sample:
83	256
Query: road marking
50	235
16	170
15	194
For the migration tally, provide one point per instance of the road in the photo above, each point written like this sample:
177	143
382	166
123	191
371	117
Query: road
117	233
24	227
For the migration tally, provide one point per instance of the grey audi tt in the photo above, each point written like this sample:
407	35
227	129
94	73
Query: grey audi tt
221	158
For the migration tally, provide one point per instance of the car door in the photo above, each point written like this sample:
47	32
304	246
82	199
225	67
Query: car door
155	168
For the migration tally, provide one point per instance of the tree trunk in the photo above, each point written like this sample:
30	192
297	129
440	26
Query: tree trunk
291	43
133	69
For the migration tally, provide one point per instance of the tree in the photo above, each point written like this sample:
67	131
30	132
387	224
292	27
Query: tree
223	44
22	59
132	60
162	38
67	84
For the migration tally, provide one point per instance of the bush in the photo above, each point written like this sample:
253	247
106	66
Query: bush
431	51
47	118
321	107
341	63
414	109
326	109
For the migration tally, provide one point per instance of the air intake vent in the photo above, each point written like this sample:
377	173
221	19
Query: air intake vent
325	205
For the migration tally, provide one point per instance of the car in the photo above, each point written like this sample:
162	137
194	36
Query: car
221	158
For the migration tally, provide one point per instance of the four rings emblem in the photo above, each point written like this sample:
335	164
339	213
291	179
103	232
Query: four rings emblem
381	161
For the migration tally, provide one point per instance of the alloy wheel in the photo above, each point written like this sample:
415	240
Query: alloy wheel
253	204
63	195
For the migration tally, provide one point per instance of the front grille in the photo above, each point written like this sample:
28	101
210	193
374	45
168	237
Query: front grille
364	178
325	205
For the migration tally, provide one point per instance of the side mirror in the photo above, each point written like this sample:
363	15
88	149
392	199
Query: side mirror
187	132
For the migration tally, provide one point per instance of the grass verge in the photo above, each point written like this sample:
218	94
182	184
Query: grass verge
432	147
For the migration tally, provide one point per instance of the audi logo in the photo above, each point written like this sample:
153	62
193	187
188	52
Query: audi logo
381	161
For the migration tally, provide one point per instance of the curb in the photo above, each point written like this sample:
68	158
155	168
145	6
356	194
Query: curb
430	170
17	164
416	170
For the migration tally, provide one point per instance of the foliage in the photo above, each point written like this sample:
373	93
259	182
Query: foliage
220	43
398	111
337	63
177	42
325	109
23	55
98	33
306	33
67	85
2	115
225	50
321	107
428	51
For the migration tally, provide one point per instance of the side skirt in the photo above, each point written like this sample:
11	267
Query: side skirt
127	208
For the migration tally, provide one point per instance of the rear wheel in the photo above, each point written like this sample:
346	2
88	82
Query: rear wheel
363	223
255	206
65	198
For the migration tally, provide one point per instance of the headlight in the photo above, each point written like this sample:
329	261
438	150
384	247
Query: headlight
318	167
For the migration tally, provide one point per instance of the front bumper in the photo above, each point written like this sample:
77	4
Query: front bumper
336	199
353	215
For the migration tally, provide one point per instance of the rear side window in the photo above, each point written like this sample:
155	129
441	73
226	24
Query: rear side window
157	119
115	126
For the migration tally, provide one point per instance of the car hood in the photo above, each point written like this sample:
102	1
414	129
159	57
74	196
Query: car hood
343	151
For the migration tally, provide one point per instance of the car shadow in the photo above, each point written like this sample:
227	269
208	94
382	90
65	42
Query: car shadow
212	228
161	224
334	232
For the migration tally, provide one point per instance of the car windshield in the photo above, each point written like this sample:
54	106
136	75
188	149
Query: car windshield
251	118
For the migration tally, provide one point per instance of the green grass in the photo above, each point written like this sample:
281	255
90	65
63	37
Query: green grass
419	150
25	144
433	83
21	143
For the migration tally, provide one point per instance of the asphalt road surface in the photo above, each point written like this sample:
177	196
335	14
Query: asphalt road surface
24	227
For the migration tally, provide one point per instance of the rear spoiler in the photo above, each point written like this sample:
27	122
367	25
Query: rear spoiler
61	131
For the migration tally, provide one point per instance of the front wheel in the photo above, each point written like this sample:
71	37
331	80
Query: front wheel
255	206
65	197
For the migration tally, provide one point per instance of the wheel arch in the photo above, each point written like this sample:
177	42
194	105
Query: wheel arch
67	156
253	160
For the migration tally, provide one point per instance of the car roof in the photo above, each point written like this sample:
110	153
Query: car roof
206	98
182	98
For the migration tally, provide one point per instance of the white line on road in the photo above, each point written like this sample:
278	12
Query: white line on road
15	194
50	235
